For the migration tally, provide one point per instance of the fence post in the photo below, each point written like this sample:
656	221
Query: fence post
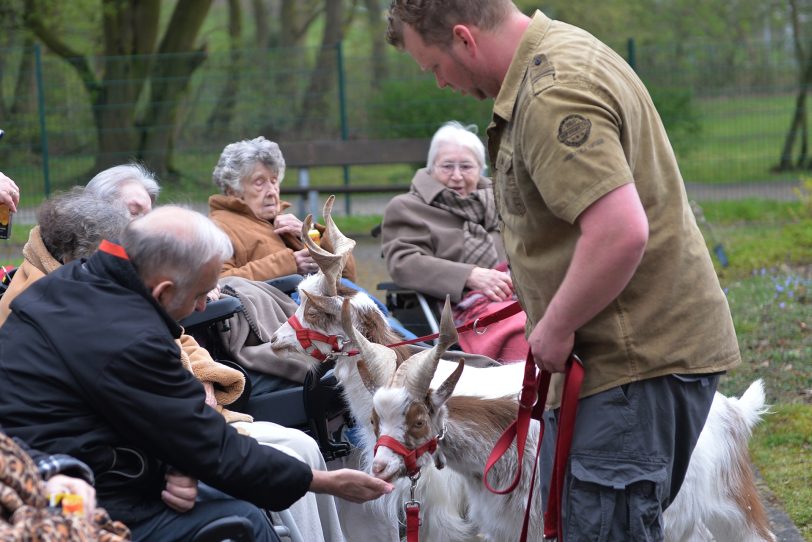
342	115
631	49
43	130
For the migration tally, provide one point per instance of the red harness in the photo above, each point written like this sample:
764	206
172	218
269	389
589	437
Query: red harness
306	337
410	457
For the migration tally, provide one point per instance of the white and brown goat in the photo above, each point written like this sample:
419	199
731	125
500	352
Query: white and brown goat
718	497
721	495
322	298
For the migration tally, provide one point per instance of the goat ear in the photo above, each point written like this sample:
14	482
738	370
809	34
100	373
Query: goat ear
380	361
445	390
366	377
323	303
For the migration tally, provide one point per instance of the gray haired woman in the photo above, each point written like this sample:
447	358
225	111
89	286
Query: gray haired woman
131	184
267	244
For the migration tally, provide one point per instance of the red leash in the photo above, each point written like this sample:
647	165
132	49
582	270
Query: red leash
531	407
501	314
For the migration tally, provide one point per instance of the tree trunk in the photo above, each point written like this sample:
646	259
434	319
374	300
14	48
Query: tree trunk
799	116
169	80
315	106
220	117
377	30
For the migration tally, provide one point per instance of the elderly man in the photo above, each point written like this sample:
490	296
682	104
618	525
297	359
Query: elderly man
94	342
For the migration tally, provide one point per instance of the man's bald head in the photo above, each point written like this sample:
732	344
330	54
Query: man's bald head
174	242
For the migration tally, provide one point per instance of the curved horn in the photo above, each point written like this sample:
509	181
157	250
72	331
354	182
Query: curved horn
448	332
379	360
447	388
417	372
330	264
342	245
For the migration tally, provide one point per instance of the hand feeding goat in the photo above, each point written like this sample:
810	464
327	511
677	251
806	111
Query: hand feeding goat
721	496
718	496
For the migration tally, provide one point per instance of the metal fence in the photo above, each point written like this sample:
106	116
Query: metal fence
60	128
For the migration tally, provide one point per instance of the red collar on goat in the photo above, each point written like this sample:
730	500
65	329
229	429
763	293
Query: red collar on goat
307	336
410	457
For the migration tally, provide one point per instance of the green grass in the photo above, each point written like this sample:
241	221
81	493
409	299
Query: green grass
741	140
781	449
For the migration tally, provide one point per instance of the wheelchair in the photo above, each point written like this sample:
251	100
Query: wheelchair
317	407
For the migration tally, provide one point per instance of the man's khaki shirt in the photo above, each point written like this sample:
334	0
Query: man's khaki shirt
571	123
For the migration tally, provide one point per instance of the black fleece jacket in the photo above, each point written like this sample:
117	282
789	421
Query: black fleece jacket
89	367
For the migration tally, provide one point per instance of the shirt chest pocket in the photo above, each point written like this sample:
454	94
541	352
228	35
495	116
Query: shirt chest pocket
507	187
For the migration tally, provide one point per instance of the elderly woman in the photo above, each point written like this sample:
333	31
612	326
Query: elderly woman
443	238
132	184
267	244
70	226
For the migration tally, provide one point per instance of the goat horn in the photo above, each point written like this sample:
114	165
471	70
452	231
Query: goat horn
342	245
330	264
418	378
448	333
379	360
321	302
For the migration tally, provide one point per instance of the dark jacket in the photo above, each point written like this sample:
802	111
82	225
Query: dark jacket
89	367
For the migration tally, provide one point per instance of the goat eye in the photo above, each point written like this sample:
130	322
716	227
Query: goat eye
419	423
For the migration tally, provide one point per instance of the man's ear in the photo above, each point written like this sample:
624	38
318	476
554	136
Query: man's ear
464	36
162	288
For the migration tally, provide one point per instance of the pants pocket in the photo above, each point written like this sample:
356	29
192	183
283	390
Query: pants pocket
608	499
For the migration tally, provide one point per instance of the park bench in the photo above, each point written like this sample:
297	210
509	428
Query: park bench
345	153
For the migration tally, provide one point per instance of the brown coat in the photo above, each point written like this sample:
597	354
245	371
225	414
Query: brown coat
423	245
259	253
38	262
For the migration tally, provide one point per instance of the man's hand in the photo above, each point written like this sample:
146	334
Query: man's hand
9	193
349	484
180	492
551	351
496	285
76	486
211	400
287	223
305	264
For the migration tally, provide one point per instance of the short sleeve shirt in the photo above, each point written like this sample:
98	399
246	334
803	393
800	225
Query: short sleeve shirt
571	123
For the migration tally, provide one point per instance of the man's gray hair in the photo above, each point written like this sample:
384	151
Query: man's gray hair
73	223
238	160
107	184
174	241
454	133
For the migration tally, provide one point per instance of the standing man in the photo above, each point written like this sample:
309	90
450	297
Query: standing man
605	253
94	343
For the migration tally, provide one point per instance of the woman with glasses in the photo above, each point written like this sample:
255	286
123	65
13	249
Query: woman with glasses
443	238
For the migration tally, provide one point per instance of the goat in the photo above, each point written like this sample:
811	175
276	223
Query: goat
322	298
719	471
718	496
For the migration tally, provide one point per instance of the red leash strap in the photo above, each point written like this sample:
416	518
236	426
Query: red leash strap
412	521
566	427
501	314
531	406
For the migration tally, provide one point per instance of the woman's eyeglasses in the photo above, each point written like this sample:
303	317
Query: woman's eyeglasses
466	168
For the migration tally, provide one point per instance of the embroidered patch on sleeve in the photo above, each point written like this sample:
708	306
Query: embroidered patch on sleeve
574	130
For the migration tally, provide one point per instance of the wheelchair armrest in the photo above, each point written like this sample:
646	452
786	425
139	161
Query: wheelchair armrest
232	528
286	284
215	311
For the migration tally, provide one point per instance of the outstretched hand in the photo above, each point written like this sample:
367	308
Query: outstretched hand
349	484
